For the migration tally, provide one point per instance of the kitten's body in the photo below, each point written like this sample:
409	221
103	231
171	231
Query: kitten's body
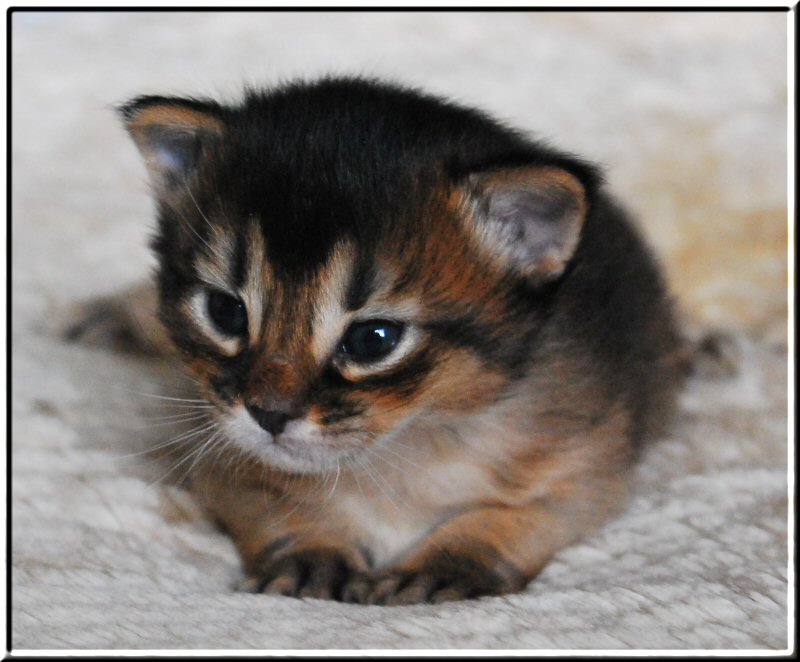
535	347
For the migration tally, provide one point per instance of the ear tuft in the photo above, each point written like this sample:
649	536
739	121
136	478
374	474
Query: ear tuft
530	217
170	133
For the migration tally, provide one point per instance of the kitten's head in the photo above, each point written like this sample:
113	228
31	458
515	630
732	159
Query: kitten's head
341	257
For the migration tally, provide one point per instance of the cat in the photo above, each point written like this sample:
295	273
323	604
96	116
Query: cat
434	346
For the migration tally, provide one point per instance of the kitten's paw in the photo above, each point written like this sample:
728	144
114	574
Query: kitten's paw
445	577
325	574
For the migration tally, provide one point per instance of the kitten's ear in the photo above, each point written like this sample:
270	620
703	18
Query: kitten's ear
530	217
171	134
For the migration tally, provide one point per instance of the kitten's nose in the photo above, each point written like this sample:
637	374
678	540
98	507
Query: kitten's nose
273	421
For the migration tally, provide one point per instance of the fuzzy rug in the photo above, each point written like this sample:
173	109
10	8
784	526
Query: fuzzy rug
687	112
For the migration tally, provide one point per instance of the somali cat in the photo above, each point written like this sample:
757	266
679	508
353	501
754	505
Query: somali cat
432	346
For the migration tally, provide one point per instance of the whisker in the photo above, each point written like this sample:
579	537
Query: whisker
197	206
188	224
354	473
170	405
369	468
161	446
188	456
393	466
308	494
238	461
335	482
402	457
173	419
185	437
172	399
208	444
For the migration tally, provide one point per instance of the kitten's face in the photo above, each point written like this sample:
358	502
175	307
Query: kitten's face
308	369
324	295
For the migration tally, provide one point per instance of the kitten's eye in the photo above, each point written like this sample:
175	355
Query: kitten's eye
228	313
372	340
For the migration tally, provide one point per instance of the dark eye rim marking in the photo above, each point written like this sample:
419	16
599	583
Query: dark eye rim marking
227	313
348	344
404	380
401	379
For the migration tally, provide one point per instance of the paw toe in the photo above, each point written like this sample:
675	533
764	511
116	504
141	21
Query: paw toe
319	573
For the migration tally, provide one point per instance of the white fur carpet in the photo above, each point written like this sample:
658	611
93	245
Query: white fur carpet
688	114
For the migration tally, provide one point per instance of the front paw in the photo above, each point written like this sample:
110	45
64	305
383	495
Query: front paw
444	577
322	573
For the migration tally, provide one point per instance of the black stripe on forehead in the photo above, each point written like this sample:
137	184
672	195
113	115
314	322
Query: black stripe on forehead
239	259
362	285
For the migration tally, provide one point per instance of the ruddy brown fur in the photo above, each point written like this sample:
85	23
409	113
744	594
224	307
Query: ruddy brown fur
535	346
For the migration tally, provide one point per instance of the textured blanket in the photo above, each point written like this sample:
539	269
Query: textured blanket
687	112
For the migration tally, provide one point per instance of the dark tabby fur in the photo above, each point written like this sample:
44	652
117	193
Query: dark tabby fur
535	343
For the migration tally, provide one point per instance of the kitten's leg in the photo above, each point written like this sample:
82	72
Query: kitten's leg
309	566
287	544
126	322
496	549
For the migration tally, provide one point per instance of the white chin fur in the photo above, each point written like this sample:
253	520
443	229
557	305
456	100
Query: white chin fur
300	448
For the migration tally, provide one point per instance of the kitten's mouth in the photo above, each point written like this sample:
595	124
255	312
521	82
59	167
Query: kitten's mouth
305	456
302	447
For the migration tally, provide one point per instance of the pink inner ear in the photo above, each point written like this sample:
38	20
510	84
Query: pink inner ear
171	152
168	160
533	218
169	136
538	221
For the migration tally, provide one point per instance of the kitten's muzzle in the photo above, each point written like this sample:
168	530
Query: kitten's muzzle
272	420
274	392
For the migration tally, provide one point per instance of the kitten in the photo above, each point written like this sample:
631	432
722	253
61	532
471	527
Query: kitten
433	346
